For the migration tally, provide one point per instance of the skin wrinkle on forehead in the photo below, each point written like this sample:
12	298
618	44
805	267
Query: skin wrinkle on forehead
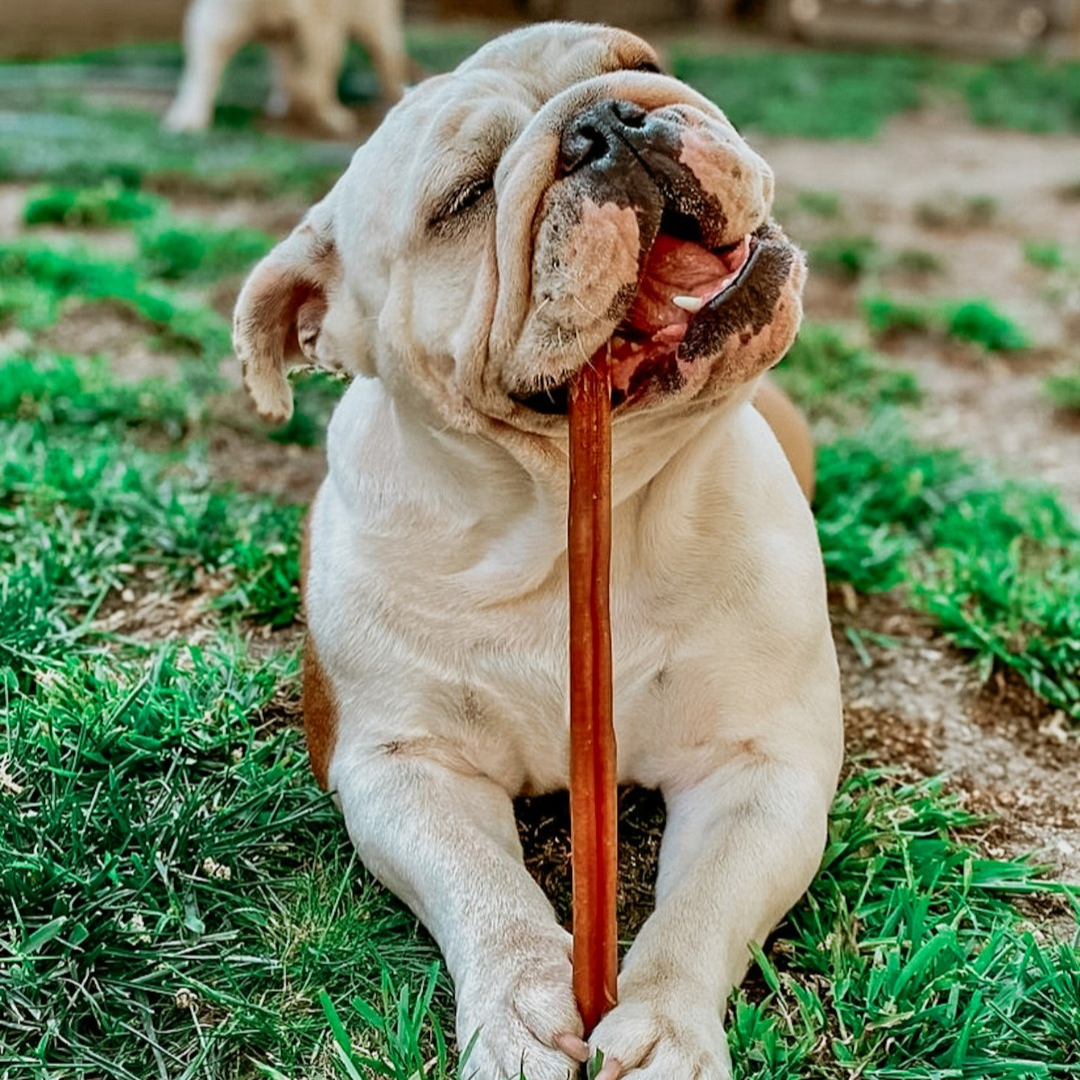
544	64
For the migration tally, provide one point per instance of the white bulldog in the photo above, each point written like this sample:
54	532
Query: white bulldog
307	41
553	198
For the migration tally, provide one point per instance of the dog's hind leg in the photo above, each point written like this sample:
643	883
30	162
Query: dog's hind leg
442	837
377	25
213	32
285	66
313	82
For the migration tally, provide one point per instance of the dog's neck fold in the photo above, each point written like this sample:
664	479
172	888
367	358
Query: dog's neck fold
488	512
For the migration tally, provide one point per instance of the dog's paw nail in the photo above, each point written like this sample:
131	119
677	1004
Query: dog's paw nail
572	1046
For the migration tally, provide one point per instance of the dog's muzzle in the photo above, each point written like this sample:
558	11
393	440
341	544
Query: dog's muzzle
697	285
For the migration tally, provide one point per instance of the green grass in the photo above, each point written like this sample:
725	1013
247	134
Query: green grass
405	1030
1045	254
61	138
108	203
173	251
850	95
36	279
845	257
980	323
1026	93
814	94
1064	390
174	890
997	563
80	498
887	315
59	391
825	205
833	378
974	321
908	959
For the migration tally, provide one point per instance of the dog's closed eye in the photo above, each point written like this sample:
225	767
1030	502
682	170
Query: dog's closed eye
462	199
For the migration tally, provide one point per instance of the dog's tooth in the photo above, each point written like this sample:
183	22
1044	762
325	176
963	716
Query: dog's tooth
635	346
688	303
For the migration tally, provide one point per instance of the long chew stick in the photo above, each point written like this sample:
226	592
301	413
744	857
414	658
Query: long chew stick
593	804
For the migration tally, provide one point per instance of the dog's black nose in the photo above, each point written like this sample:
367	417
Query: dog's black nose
600	135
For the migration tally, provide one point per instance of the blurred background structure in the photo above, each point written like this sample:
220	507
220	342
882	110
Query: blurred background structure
984	27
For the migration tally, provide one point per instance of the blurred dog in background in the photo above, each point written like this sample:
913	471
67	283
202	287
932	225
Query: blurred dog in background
307	41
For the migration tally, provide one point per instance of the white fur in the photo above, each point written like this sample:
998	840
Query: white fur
307	40
437	598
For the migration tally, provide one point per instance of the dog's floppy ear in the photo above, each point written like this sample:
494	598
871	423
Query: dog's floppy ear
281	309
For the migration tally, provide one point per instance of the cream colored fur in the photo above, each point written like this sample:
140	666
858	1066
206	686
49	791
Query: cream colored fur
436	594
307	40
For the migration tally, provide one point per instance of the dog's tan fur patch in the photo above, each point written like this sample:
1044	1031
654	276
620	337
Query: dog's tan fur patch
317	697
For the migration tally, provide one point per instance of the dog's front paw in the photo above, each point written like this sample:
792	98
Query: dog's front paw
521	1020
644	1040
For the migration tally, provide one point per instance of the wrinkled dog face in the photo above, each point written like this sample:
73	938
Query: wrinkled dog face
553	199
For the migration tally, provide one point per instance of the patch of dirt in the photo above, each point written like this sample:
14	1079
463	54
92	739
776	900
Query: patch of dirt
996	409
993	407
250	461
12	201
110	330
277	217
544	829
150	607
913	700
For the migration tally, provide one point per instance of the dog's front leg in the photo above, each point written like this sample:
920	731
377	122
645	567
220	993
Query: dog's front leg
443	838
740	848
213	32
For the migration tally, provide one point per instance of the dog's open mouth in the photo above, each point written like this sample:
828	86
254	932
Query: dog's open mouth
683	285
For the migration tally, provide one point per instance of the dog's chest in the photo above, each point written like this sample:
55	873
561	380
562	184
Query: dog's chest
440	607
422	656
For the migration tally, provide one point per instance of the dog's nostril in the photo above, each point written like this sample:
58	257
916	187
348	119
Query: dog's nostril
582	144
633	116
604	130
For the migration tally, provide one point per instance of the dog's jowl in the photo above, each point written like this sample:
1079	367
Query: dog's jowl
554	197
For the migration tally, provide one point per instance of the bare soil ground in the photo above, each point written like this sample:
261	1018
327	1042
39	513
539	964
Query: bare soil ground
914	188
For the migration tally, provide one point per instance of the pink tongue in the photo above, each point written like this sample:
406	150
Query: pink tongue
673	268
677	268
